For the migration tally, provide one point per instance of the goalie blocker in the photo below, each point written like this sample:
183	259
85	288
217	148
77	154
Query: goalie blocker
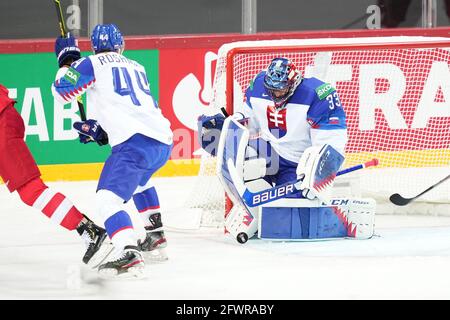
278	217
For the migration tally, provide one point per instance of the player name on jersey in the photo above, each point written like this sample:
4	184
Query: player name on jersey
110	58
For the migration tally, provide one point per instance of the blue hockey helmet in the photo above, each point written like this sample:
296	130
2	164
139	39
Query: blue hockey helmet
281	80
107	37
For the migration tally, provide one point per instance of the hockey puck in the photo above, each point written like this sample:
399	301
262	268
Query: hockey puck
242	237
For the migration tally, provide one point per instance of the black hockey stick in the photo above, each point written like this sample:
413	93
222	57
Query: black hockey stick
224	111
400	201
62	27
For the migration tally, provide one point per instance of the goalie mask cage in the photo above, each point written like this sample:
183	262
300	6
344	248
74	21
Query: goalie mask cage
396	95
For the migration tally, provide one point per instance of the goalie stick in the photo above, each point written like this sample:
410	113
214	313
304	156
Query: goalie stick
253	199
398	200
62	27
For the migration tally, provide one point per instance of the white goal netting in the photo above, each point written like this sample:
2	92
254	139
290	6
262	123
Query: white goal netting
396	94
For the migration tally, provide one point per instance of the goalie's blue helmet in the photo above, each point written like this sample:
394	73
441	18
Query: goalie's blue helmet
107	37
281	80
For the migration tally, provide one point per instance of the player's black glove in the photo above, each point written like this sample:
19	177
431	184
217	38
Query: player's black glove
90	131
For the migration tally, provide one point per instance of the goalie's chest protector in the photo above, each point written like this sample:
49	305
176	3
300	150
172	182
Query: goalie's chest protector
287	129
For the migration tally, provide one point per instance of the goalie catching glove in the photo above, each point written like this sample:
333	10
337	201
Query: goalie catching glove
209	128
211	122
317	168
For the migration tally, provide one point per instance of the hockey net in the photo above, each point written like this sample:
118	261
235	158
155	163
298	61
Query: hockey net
396	94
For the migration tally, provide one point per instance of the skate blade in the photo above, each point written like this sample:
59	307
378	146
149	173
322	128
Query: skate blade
135	272
156	255
101	255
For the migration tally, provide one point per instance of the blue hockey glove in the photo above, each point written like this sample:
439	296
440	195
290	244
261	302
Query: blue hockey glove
209	128
211	122
66	50
90	131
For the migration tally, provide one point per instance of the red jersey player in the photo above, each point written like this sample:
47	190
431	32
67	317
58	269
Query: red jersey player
20	173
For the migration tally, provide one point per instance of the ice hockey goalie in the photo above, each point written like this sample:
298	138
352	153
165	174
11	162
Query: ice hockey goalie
300	209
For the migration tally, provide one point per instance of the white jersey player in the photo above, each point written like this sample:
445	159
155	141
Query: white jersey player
126	115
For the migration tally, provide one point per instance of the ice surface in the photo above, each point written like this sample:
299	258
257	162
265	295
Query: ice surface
408	259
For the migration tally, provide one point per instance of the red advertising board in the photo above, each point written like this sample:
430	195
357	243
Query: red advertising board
185	85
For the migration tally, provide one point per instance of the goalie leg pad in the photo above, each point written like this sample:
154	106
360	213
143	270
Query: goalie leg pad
300	224
242	224
254	169
342	218
240	220
358	214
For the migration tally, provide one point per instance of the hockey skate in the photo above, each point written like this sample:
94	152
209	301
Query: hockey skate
154	244
128	264
96	248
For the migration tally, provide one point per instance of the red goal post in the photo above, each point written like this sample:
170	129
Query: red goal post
395	91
